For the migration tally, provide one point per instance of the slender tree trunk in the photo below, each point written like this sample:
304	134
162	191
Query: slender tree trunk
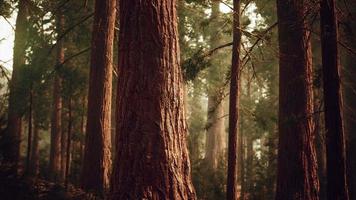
34	162
97	156
215	137
64	138
297	167
68	143
12	138
152	159
349	86
56	121
231	191
29	137
335	138
241	157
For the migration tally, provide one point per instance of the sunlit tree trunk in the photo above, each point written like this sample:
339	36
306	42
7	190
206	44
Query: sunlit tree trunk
232	177
12	138
297	167
152	159
56	120
97	154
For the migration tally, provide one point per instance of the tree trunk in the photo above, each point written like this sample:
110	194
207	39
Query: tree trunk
152	159
97	156
29	137
68	143
349	85
241	157
34	162
215	137
12	139
231	191
297	167
64	139
335	139
56	121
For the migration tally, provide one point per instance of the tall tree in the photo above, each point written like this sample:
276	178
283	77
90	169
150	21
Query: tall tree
233	107
349	85
335	138
97	156
152	160
56	120
14	126
297	167
215	137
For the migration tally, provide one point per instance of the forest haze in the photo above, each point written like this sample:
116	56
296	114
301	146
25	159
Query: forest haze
178	100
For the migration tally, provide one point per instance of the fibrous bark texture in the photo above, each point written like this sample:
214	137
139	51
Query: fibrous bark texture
56	120
297	167
152	160
97	153
231	192
335	139
12	139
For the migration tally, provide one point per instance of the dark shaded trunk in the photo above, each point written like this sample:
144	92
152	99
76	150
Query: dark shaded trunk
232	172
56	120
152	159
29	137
64	139
297	167
12	139
35	157
68	143
97	153
335	139
349	86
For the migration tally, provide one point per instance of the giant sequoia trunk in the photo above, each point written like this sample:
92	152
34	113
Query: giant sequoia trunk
97	154
215	137
56	120
152	160
335	139
12	139
297	166
231	191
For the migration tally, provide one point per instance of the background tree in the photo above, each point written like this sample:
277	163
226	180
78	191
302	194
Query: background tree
97	156
297	167
335	139
14	126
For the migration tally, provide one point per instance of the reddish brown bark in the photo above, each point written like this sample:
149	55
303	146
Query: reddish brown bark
56	120
297	167
97	156
12	139
335	138
231	192
152	159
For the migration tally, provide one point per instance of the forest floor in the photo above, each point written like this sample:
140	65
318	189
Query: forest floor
12	188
